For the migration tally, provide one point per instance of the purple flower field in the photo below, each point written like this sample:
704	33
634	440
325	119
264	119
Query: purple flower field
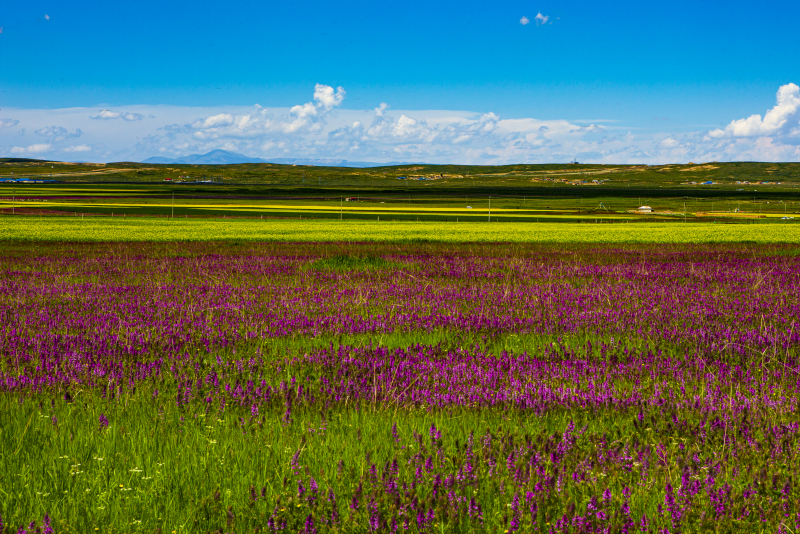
399	388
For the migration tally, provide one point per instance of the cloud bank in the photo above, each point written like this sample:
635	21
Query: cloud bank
322	128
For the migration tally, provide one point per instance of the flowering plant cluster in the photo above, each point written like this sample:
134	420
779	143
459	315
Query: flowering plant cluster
457	389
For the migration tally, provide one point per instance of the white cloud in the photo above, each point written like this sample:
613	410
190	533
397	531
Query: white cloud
8	123
541	19
46	16
58	133
524	20
215	121
132	117
592	128
669	142
322	129
78	148
781	120
32	149
406	126
326	98
107	114
380	109
1	29
51	131
300	119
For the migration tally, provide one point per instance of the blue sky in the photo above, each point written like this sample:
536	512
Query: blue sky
611	82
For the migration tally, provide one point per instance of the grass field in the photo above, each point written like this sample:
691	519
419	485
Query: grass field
690	177
236	368
142	229
408	201
387	387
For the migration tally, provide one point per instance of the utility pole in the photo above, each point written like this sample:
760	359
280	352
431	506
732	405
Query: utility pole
341	208
490	208
173	204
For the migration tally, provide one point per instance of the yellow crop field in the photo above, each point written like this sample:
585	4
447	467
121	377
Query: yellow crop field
136	229
288	207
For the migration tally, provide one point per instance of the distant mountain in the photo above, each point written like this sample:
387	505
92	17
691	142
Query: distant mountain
335	162
215	157
223	157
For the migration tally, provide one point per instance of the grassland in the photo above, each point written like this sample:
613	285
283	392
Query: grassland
522	193
422	177
258	355
421	388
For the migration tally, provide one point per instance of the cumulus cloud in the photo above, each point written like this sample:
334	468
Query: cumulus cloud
669	142
32	149
541	19
524	20
8	123
301	119
326	98
407	135
782	120
77	148
321	129
58	133
380	109
107	114
132	117
215	121
46	16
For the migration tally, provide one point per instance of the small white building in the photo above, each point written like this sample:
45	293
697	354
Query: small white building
644	209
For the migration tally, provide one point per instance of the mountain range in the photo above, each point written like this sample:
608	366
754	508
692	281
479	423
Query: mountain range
223	157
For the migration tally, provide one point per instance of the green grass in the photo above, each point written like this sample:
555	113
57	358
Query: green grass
165	230
160	466
446	176
345	262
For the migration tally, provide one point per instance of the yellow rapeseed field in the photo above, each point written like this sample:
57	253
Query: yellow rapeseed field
140	229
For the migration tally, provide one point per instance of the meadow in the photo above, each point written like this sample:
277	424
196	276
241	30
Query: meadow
558	193
411	177
243	386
